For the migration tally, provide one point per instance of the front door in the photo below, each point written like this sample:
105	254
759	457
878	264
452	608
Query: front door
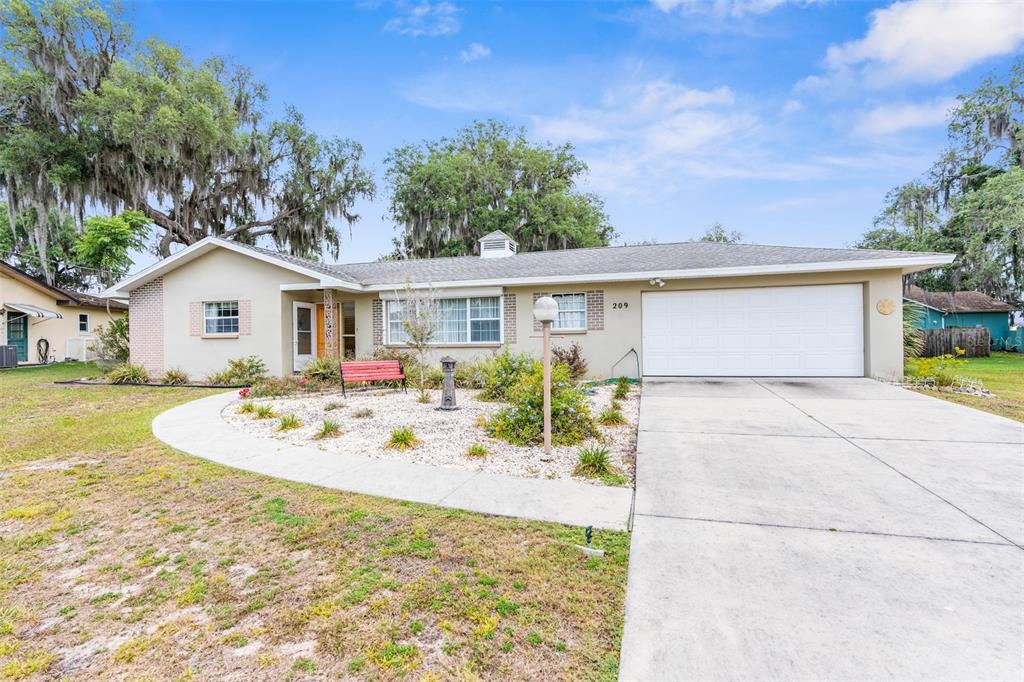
303	333
17	334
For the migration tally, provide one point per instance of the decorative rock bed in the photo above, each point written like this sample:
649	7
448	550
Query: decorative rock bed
444	437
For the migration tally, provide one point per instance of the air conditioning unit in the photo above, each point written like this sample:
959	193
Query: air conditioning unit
8	356
78	349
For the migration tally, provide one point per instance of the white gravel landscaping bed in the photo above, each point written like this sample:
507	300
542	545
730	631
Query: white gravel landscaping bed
445	436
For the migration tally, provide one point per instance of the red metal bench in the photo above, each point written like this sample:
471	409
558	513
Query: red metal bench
371	370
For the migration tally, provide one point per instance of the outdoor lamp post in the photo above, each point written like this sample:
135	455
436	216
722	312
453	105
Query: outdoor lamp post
545	310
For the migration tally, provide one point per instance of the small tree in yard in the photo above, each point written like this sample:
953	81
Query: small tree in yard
111	343
419	321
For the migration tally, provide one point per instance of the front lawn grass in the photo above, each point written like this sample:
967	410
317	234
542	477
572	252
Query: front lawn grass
121	558
1003	374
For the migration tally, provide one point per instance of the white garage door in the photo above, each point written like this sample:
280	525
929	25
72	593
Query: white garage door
769	331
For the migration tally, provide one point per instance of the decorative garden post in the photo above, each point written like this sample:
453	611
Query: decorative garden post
448	384
545	310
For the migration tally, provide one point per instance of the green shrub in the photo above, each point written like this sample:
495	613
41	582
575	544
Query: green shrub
612	415
941	369
265	412
504	372
275	387
571	357
330	429
522	423
247	407
288	421
248	371
363	413
127	373
175	377
330	407
621	388
111	342
593	462
405	358
323	371
476	450
471	374
402	438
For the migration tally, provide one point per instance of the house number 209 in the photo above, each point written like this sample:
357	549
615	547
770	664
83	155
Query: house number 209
619	306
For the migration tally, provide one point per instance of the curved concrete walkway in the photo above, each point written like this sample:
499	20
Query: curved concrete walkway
197	428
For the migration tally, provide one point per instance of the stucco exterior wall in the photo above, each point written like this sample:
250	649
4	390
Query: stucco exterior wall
224	275
57	332
614	316
607	350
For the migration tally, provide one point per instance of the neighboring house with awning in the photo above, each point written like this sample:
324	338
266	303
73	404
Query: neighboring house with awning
942	309
35	316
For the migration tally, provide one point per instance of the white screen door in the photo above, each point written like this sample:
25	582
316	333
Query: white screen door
303	333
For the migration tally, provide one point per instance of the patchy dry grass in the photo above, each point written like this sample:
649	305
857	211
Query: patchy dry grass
1000	373
121	558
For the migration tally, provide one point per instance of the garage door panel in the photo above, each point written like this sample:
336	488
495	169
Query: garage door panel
770	331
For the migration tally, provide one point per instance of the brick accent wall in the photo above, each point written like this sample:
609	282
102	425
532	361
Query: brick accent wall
195	318
378	322
537	326
508	301
146	325
595	310
244	318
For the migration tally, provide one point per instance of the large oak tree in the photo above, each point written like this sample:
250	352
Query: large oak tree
972	201
447	193
90	118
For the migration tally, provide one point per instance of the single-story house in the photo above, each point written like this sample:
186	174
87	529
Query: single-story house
941	309
36	316
694	308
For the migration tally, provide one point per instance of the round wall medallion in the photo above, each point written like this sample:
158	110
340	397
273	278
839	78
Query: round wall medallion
886	306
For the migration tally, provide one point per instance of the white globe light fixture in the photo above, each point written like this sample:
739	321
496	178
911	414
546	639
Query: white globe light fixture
545	311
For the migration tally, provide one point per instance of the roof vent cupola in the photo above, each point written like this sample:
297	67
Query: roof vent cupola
497	244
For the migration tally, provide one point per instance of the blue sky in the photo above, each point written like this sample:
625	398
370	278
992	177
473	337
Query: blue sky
787	121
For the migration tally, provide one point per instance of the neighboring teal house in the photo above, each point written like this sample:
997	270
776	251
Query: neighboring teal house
942	309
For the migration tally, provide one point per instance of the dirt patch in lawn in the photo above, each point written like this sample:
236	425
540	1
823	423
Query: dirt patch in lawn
366	419
122	559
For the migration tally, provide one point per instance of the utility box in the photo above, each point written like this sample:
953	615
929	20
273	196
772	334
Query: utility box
8	356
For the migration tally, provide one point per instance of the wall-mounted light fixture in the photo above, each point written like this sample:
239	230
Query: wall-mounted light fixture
657	282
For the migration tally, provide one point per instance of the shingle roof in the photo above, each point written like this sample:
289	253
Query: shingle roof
958	301
93	301
322	268
653	259
70	297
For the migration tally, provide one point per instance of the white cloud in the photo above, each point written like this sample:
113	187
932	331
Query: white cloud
893	118
927	41
426	19
651	136
726	8
474	52
792	106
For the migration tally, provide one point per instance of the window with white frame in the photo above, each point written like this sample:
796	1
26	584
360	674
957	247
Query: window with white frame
220	317
459	320
572	312
83	322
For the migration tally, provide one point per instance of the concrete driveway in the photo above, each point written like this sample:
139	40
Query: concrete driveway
823	529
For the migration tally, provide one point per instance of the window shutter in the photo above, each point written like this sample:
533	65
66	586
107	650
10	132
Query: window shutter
195	318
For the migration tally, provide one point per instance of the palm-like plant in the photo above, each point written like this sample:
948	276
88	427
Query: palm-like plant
913	336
